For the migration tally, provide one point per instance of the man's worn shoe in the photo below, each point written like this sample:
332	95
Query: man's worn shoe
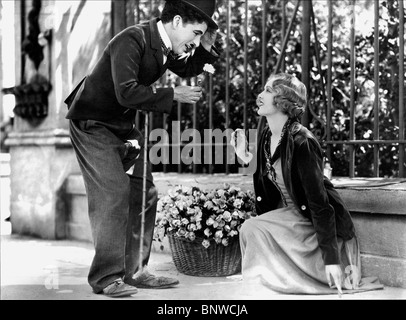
119	289
148	281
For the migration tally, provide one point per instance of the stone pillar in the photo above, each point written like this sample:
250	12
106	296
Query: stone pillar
1	65
40	162
72	35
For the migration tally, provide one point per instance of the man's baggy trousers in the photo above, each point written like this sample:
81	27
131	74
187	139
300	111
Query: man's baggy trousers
114	197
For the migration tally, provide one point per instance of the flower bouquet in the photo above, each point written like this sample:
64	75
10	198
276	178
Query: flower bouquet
203	228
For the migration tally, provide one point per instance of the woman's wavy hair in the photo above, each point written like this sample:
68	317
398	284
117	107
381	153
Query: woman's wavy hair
291	94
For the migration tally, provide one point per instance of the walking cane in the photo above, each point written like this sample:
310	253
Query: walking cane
144	190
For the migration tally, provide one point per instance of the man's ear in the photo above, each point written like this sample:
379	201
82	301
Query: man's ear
177	21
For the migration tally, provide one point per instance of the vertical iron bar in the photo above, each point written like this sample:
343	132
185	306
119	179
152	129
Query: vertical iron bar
329	78
376	89
194	126
144	193
137	120
264	43
283	30
306	5
317	52
112	17
150	116
401	89
119	8
285	40
23	33
227	124
245	64
151	121
129	17
211	123
179	139
262	120
352	90
179	148
165	142
137	17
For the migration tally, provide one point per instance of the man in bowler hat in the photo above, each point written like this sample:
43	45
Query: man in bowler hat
101	114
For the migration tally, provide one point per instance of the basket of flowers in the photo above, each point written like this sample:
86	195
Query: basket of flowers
203	227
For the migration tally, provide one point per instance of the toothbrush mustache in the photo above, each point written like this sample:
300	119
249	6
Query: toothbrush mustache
189	47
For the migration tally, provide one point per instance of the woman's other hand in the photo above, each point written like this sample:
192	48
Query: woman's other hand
334	271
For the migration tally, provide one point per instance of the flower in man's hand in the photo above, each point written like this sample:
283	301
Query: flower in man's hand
207	69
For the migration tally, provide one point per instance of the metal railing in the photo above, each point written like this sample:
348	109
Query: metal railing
326	83
352	142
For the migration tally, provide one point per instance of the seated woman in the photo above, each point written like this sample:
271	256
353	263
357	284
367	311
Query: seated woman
303	240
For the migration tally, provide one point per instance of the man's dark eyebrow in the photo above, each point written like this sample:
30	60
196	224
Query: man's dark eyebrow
199	31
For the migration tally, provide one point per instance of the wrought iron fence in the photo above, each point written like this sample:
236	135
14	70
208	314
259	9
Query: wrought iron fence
363	134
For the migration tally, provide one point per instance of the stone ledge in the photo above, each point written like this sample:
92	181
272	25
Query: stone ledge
365	195
369	195
166	181
373	195
53	137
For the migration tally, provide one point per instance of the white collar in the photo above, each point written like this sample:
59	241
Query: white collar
164	35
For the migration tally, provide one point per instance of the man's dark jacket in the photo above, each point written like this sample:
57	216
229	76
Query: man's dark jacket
312	193
123	79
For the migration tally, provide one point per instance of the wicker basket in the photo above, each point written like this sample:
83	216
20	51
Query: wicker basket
193	259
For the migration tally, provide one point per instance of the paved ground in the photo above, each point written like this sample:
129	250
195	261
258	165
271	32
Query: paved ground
35	269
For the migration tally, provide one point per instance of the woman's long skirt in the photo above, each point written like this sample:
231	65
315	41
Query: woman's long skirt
280	252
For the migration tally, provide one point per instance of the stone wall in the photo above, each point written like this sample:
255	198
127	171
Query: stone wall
378	208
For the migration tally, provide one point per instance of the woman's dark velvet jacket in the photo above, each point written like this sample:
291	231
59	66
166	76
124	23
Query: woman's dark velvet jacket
312	193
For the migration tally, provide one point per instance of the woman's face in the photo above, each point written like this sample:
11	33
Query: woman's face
265	100
186	36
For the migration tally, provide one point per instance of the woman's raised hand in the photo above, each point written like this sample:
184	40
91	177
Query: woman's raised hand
240	144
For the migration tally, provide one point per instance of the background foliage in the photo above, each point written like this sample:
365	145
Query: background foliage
364	86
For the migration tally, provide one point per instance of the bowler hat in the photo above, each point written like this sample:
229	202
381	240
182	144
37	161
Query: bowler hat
205	8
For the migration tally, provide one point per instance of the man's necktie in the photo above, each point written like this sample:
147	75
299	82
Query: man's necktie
169	53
